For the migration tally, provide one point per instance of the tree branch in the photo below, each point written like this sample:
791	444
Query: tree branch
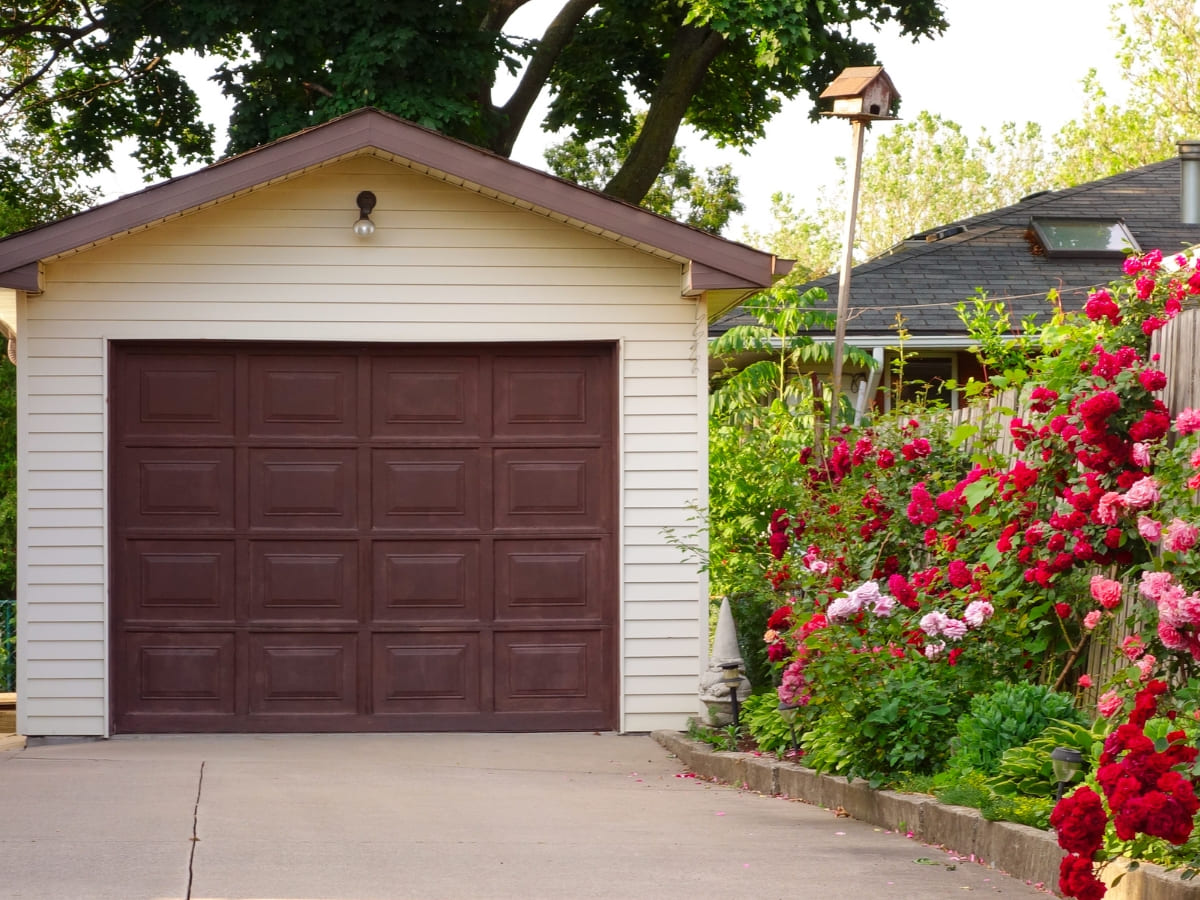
533	79
499	12
692	53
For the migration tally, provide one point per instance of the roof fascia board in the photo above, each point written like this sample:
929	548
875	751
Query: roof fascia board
26	278
372	129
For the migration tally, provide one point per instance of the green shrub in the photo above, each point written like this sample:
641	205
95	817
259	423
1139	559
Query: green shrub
1009	716
1028	769
760	716
1031	811
963	789
901	724
972	788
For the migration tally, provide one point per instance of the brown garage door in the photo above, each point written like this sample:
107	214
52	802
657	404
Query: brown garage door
350	538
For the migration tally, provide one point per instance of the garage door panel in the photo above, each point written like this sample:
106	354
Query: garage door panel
548	580
303	489
178	581
550	397
549	670
176	395
307	674
426	672
180	672
541	489
426	490
363	537
303	396
420	581
304	581
176	488
426	397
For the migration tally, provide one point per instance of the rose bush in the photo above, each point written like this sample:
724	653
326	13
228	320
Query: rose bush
909	550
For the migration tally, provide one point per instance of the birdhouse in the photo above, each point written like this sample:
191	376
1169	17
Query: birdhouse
862	92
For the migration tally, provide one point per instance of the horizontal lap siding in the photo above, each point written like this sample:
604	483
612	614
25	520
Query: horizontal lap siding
444	265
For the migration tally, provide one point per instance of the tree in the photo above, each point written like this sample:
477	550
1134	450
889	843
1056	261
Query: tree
96	73
705	201
1160	63
919	174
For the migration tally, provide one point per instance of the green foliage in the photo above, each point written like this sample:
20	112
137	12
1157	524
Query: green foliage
919	174
705	201
902	723
1008	716
760	715
1160	66
93	74
1028	770
725	739
783	338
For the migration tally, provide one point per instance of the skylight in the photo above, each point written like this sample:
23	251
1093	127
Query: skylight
1107	237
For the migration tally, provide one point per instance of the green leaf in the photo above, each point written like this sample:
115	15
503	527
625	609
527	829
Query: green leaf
961	433
978	491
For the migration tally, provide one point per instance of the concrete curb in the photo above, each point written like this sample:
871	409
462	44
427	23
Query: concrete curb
1022	852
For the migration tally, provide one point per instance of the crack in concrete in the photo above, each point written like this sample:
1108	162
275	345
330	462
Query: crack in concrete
195	836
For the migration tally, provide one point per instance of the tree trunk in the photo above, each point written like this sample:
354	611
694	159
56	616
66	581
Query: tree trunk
693	51
514	113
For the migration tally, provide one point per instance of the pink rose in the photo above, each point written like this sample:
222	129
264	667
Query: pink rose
1148	528
977	612
1085	681
953	629
1106	592
1133	647
1180	536
1145	666
1153	584
1092	619
1108	508
1187	421
1109	703
1143	493
1140	454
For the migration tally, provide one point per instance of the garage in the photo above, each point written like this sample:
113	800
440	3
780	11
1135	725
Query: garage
350	538
277	472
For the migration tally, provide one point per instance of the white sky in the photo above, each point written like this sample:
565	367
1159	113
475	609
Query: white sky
1019	60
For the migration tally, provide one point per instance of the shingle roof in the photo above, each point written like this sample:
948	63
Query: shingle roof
924	281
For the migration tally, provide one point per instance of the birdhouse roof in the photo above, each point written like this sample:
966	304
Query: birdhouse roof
855	80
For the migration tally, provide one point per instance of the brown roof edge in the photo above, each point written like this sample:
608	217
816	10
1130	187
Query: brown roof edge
370	128
23	278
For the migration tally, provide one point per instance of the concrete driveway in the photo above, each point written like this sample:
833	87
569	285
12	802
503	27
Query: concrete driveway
302	817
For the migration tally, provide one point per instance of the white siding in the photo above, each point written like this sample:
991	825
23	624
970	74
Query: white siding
281	263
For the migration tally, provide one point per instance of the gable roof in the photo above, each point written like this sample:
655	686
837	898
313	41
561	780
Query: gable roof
925	277
717	264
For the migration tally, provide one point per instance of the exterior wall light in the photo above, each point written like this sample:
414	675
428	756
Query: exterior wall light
364	227
1067	762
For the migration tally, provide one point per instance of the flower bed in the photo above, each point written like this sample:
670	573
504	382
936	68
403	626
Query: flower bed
912	569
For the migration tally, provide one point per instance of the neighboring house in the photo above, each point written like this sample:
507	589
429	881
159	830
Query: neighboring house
277	475
1069	241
